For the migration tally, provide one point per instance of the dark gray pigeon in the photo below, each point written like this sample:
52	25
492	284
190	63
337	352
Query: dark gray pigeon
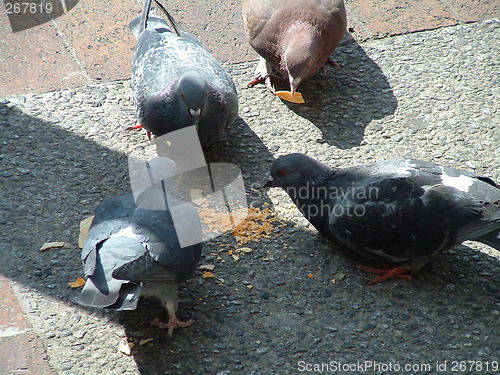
131	251
401	210
176	82
295	37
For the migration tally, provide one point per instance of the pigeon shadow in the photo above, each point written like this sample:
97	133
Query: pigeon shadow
342	103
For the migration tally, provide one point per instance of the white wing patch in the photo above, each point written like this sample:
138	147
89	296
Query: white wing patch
461	182
127	232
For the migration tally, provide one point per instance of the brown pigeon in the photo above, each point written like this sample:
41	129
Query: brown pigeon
295	37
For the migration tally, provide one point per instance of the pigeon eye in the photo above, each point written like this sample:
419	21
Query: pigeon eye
281	172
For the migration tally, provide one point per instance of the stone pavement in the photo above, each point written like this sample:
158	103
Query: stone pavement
91	44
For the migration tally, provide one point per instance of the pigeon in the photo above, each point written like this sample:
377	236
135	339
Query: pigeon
132	251
176	82
295	37
396	211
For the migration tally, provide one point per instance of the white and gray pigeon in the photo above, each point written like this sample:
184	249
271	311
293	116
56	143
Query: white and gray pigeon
131	251
401	210
176	82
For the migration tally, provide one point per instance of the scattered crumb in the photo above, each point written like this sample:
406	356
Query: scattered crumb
145	341
77	283
51	245
340	276
208	275
245	250
196	196
126	348
84	229
287	95
310	275
207	267
260	223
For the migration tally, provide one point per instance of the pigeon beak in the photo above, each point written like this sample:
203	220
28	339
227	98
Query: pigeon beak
294	84
269	183
195	117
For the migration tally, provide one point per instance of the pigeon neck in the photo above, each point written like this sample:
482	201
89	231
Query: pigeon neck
312	198
300	45
314	179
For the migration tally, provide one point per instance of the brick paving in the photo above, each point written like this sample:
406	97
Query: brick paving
21	351
91	42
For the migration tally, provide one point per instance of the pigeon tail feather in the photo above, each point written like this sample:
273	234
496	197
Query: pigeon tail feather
491	239
143	269
145	15
173	22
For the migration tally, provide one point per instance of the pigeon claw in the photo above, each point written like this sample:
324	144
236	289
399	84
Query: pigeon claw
267	80
135	127
255	81
260	79
173	322
386	274
139	126
333	63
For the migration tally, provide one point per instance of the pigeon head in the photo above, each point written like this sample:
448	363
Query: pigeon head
295	170
193	91
299	53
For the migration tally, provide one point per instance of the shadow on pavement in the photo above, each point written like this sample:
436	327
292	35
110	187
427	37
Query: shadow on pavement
52	178
344	102
264	312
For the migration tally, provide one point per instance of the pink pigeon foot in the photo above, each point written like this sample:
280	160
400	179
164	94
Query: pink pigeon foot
173	322
139	126
392	273
333	63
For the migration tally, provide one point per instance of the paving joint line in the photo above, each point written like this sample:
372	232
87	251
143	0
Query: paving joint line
358	21
70	49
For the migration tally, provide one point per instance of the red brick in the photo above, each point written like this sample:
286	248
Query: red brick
35	60
475	10
23	354
356	29
392	17
217	24
98	31
21	351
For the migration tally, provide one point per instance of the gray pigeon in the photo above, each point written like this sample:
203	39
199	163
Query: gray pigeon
131	251
176	82
295	37
401	210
